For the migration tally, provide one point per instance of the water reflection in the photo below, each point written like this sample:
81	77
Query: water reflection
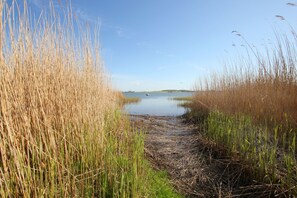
156	103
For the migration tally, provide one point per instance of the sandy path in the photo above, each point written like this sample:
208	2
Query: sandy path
194	171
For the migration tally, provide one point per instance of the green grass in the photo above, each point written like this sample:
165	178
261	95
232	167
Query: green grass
138	179
126	173
182	98
128	100
122	99
271	158
160	187
183	101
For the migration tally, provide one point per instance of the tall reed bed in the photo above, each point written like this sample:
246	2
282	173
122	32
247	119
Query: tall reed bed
264	87
251	111
60	131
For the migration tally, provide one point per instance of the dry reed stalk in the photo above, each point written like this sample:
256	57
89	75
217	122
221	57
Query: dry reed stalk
264	95
54	99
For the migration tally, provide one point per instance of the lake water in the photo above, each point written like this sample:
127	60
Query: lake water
156	103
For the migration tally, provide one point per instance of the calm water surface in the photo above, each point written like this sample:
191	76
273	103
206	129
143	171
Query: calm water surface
156	103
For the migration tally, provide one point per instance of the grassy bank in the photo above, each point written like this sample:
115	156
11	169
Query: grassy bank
184	101
251	113
62	134
127	100
182	98
131	100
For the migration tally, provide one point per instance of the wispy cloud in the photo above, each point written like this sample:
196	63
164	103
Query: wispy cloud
81	14
120	31
59	5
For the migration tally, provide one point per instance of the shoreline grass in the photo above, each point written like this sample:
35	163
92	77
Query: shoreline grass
182	98
183	101
62	134
128	100
251	113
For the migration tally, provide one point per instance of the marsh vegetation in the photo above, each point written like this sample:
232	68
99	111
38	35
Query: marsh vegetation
62	133
250	112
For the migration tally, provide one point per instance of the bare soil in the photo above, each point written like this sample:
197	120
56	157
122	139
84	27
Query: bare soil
194	168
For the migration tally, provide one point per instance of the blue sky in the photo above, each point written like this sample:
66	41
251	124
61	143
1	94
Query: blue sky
172	44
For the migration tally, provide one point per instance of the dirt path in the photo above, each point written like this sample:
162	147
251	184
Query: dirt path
193	168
